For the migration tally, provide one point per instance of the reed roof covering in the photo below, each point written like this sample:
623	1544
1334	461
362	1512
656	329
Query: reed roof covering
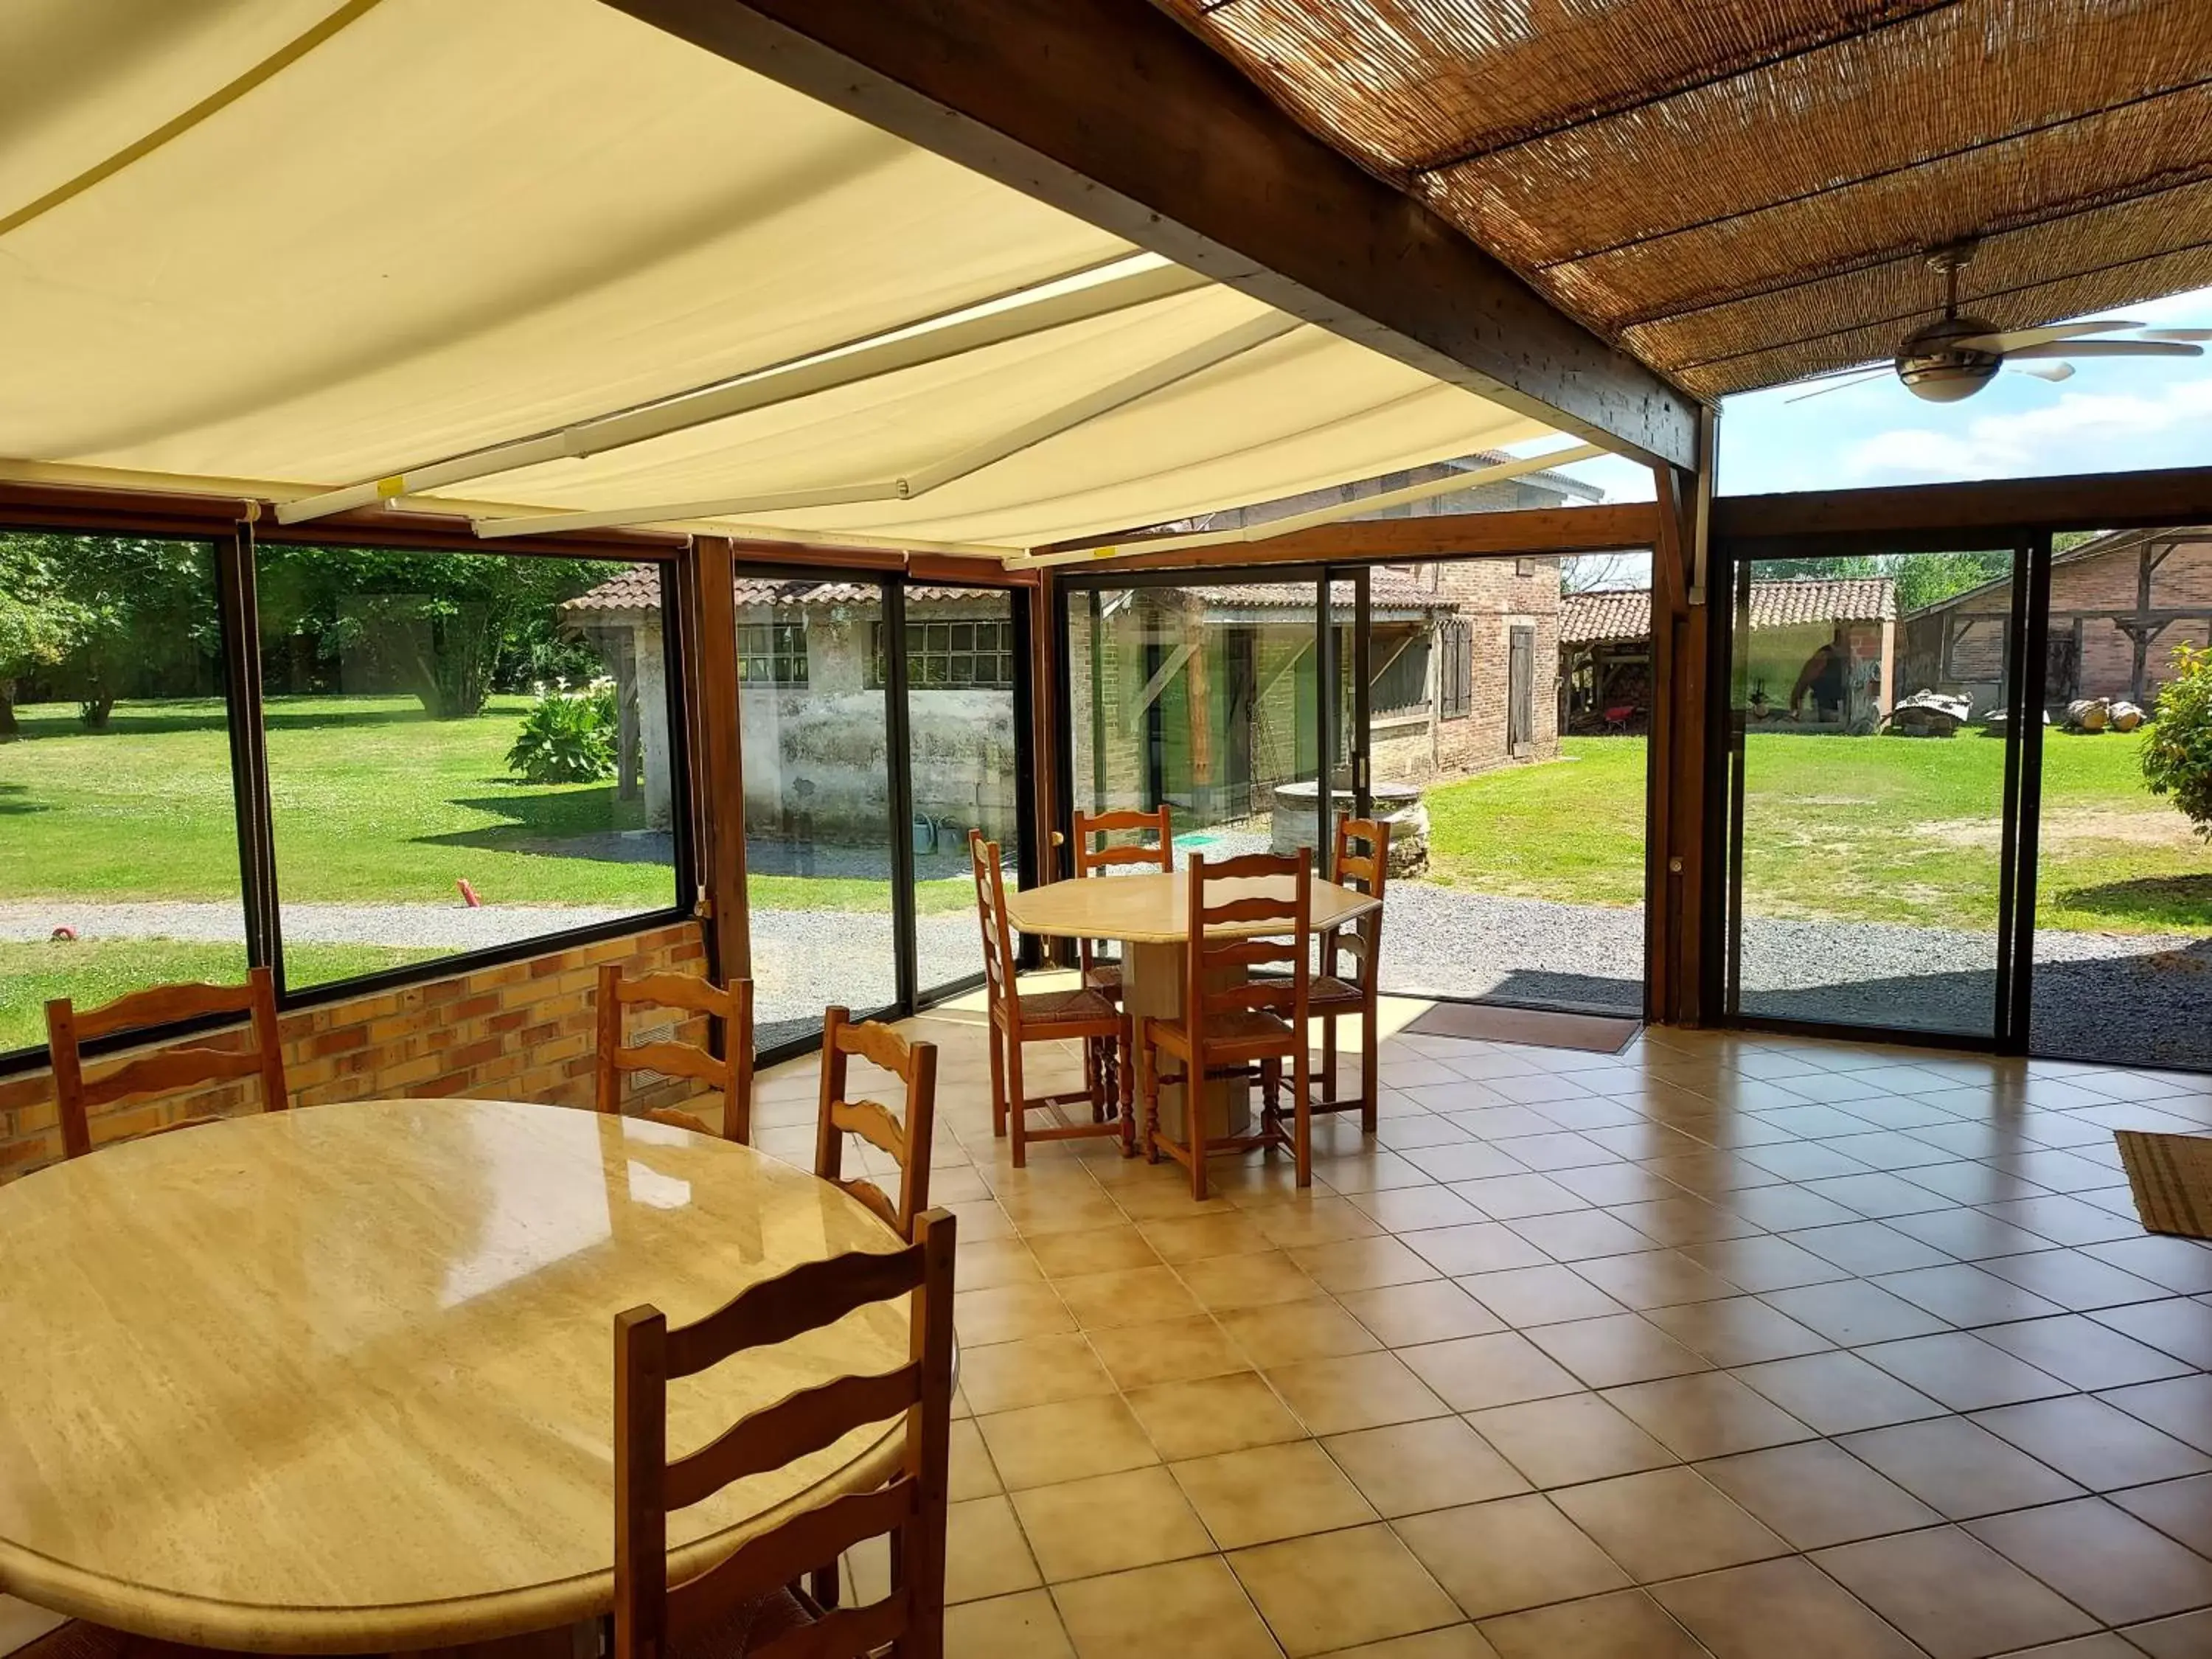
1743	192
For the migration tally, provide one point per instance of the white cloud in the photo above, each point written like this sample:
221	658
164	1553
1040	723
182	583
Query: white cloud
2082	431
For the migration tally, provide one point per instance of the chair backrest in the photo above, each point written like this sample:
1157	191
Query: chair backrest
1362	862
1157	855
730	1072
67	1030
1220	969
652	1616
915	1064
991	911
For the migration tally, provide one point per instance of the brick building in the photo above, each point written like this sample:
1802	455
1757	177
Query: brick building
2118	606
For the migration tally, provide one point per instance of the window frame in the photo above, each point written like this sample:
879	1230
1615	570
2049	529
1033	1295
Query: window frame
785	645
1454	669
236	569
876	676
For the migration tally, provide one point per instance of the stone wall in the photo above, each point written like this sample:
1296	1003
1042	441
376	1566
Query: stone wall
523	1031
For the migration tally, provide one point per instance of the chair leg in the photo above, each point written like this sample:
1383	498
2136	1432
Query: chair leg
1017	1103
1127	1086
1328	1056
1369	1092
1095	1078
822	1585
1148	1085
1270	1093
1194	1123
1302	1122
997	1037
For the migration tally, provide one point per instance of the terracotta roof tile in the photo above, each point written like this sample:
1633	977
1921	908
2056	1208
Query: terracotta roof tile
1626	613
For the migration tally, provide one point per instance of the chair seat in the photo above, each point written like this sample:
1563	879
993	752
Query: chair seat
1104	977
748	1629
1066	1007
1327	991
82	1639
1248	1025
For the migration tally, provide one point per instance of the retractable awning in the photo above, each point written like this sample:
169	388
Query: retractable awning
526	258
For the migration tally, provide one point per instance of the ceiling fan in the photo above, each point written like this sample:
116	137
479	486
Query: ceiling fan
1955	356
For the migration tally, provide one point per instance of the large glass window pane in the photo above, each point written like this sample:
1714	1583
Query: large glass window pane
965	764
1873	788
813	723
1206	698
2123	888
1518	847
118	844
465	750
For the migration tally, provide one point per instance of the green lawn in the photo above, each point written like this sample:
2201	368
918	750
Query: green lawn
1864	829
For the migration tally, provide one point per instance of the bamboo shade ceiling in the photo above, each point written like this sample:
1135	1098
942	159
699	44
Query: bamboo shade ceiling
1743	192
277	248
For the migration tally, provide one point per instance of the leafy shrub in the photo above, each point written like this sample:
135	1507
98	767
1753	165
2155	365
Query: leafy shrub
2178	759
567	737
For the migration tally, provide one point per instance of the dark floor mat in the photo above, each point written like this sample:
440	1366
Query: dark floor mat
1596	1033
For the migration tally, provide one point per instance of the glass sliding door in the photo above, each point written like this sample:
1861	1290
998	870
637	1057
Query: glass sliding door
821	829
1206	697
2122	944
961	671
1874	781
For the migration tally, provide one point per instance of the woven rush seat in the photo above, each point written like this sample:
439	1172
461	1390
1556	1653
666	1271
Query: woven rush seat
1328	989
747	1629
1251	1025
1064	1007
1104	977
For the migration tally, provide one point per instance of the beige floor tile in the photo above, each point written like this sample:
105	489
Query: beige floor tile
1195	1237
985	1553
1452	1642
1952	1594
1429	1310
1109	1523
2182	1510
1040	1445
1136	1295
1708	1414
22	1624
971	1473
1212	1414
1171	1351
1576	1436
1837	1393
1362	1264
1508	1554
1269	1492
1194	1608
1436	1463
1624	1624
1023	1627
1785	1608
1524	1297
1622	1348
1008	1312
1962	1371
1105	1250
992	1262
1411	1209
1475	1372
2102	1560
1653	1279
2188	1637
1667	1524
1287	1332
1257	1279
1477	1246
1959	1469
1354	1391
1166	1196
1737	1330
2091	1442
1814	1494
1340	1589
1032	1370
1311	1221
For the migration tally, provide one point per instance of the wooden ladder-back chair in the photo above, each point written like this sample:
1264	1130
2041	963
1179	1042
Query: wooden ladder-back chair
746	1600
1018	1017
1095	854
1338	991
730	1073
1235	1025
915	1064
67	1030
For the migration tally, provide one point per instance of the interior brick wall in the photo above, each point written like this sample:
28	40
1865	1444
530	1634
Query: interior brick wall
523	1031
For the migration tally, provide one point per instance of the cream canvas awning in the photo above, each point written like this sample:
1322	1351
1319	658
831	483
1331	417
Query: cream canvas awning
285	247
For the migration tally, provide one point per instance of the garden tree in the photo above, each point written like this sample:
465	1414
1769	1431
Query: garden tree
114	613
37	625
448	627
2177	760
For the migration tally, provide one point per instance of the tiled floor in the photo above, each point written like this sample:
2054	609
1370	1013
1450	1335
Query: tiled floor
1724	1345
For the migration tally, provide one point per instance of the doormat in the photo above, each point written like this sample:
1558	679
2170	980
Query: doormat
1593	1034
2170	1176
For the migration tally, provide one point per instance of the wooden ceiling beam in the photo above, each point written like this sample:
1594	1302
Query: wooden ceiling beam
1614	527
1111	111
1907	517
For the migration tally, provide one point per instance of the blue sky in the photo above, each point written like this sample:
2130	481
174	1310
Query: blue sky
2116	415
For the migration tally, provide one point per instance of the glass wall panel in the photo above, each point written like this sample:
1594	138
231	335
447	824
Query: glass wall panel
1506	725
118	842
1205	697
1870	695
466	751
962	738
2124	879
814	718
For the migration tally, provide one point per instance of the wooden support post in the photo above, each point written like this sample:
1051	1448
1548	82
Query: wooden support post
1675	883
717	759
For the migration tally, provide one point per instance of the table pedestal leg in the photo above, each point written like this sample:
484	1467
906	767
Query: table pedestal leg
1152	984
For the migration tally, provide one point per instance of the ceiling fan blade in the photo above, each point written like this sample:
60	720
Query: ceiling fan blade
2175	334
2042	371
2013	339
1841	381
2108	348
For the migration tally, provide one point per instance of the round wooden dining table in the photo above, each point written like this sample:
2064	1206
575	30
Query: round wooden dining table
1150	915
340	1379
